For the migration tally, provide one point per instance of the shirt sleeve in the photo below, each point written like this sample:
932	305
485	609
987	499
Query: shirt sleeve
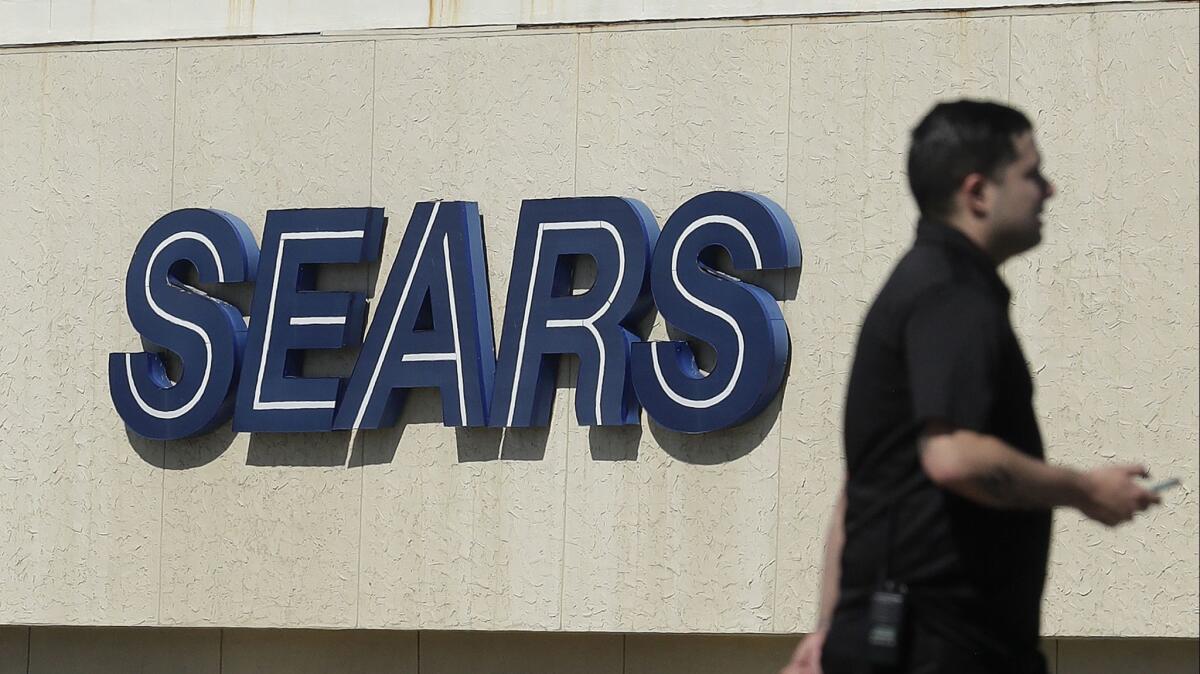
952	351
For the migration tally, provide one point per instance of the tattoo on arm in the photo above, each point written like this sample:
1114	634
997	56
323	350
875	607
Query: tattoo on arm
1000	484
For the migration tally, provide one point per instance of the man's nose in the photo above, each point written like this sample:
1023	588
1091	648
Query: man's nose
1050	190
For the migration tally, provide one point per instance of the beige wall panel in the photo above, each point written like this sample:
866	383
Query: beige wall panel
318	652
857	90
667	531
667	115
67	650
87	163
823	321
264	530
1113	656
504	653
14	650
830	144
32	277
827	193
1159	186
484	119
695	654
1108	304
273	126
452	538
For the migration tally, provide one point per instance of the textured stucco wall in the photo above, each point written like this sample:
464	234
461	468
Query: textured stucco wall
578	529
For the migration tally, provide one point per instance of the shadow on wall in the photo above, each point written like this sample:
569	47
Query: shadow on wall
376	447
182	454
730	444
614	443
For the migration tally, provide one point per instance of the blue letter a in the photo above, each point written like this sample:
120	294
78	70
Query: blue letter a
433	326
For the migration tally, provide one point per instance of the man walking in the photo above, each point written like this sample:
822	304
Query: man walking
936	555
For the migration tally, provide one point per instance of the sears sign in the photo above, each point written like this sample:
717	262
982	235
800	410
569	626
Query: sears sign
433	323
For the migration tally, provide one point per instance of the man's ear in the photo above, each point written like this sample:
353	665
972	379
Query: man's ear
975	195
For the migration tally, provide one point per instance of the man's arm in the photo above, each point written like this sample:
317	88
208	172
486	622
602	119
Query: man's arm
986	470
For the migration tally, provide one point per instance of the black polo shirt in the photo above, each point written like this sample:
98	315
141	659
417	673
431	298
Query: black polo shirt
937	344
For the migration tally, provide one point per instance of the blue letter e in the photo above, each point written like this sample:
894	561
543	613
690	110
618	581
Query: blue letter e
741	321
206	333
289	315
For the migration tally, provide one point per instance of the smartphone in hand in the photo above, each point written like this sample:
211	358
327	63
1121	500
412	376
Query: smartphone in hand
1164	485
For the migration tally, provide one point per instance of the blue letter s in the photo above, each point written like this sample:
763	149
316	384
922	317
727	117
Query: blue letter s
741	321
206	333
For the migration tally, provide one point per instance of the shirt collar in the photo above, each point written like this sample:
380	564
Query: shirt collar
949	237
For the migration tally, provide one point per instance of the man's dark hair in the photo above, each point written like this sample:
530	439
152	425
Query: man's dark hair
955	140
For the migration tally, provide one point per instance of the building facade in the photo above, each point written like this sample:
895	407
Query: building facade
564	548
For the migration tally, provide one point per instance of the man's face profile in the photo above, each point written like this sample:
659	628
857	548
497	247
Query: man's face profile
1019	194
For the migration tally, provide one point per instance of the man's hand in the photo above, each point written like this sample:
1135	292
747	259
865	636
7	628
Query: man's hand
807	658
983	469
1111	496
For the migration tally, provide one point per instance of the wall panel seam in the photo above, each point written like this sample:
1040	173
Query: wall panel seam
1009	78
562	560
787	191
362	488
359	438
162	496
578	86
162	515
